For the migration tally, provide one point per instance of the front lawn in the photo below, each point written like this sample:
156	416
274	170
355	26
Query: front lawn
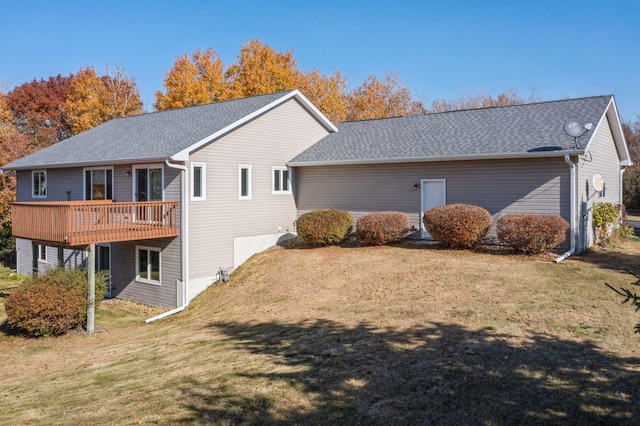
408	334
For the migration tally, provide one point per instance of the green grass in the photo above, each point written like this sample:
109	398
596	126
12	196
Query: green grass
373	335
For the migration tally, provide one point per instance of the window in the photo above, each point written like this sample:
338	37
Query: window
98	184
39	184
245	182
148	265
148	183
42	253
281	181
198	181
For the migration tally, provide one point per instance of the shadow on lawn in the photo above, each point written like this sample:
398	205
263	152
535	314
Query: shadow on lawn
615	260
436	374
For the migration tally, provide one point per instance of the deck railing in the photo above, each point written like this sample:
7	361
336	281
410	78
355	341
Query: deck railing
77	223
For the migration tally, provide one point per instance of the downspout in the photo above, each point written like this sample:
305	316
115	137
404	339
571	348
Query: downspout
573	224
621	185
184	243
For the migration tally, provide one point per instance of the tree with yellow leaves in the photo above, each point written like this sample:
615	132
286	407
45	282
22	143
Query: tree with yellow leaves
96	99
377	98
194	80
327	93
261	70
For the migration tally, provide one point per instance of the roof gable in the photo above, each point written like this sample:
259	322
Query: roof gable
159	136
519	131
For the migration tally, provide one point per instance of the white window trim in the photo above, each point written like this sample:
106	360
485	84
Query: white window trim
46	183
203	184
249	178
146	280
42	248
273	180
84	180
145	166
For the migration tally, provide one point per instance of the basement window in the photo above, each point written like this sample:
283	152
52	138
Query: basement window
148	265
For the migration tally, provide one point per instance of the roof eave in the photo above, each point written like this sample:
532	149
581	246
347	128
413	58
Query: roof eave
86	164
517	155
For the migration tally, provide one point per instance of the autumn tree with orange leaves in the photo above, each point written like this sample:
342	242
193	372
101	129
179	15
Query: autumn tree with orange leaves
377	98
13	145
95	99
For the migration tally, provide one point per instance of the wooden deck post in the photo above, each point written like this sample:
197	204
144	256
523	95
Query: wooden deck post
91	297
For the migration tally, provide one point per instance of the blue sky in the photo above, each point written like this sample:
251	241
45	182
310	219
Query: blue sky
439	49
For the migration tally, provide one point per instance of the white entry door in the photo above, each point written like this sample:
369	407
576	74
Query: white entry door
434	193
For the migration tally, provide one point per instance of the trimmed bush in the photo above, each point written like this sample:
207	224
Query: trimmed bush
52	303
457	225
380	228
531	233
324	227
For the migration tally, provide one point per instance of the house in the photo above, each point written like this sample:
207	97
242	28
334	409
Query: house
170	199
173	200
506	159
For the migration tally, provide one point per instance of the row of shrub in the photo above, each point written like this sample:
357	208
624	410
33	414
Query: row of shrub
332	226
52	303
458	226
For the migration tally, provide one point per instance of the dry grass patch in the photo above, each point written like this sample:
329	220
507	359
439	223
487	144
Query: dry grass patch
373	335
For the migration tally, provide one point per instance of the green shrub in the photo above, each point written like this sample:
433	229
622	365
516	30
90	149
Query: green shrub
531	233
324	227
382	227
52	303
604	218
457	225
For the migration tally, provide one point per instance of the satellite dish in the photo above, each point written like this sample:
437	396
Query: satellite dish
598	182
574	127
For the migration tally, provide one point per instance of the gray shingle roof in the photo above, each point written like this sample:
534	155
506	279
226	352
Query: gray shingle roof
511	131
147	137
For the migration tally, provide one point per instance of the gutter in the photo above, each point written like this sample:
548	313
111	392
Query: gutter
572	174
465	157
184	244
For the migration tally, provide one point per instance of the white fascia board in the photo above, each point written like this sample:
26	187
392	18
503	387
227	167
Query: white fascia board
559	154
184	154
618	134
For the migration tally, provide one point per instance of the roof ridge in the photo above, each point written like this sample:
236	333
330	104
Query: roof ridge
481	108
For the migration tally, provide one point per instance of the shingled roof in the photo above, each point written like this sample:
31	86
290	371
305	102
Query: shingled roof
157	136
518	131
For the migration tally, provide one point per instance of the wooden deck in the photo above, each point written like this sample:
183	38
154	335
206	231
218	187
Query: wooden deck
78	223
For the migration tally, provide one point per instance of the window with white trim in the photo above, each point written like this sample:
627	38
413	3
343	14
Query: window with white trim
281	181
244	178
39	184
98	183
198	181
148	265
42	253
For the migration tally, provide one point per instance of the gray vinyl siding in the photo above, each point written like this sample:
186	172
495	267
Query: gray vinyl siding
270	140
59	181
500	186
24	253
602	158
123	272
